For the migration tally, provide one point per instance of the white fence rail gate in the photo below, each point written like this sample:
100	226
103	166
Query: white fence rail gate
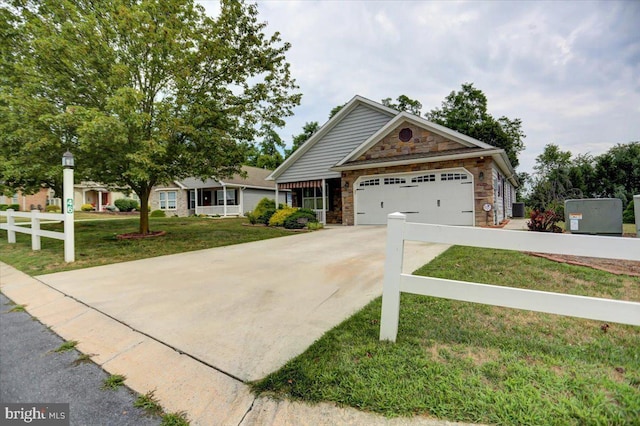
35	215
395	281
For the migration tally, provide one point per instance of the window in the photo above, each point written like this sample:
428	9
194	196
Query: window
394	181
231	197
370	182
192	199
14	199
312	199
168	200
453	176
424	178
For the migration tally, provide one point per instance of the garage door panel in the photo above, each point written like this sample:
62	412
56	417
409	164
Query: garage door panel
443	198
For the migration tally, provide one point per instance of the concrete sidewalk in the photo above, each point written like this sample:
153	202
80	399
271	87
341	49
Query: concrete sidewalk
196	326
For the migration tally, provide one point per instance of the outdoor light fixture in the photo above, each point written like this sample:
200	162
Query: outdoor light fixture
481	176
346	184
67	160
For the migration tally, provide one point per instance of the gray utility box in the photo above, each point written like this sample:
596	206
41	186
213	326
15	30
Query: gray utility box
596	216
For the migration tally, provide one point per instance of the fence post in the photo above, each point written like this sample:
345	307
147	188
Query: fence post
636	208
11	221
69	237
392	270
35	230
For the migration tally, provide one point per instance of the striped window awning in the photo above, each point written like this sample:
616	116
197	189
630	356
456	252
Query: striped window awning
303	184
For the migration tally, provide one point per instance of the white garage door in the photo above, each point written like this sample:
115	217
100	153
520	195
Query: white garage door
442	197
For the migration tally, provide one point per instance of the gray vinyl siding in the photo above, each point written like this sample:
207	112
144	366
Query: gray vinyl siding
252	197
347	135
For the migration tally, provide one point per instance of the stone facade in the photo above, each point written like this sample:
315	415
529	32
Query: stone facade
421	142
182	207
483	190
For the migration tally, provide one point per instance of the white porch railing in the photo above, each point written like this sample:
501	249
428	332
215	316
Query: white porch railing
23	227
321	216
395	282
218	210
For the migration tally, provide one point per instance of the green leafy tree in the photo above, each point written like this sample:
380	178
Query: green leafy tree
335	110
141	91
552	182
307	131
466	112
617	172
404	103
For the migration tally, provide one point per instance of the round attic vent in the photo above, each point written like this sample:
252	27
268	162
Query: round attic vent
406	134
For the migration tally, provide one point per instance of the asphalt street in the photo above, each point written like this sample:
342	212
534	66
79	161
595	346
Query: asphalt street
31	372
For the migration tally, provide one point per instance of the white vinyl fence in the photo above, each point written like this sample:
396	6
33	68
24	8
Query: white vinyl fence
35	215
395	281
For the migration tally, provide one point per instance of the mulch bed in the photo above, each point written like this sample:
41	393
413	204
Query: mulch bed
614	266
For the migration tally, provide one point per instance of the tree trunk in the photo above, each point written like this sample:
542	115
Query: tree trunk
144	210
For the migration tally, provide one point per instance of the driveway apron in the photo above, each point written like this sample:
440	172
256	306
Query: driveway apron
245	309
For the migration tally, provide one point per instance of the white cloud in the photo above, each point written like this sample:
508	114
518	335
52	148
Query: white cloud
569	70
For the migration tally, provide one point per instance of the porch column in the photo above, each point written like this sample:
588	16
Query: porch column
324	202
99	201
196	213
84	196
277	195
241	202
224	200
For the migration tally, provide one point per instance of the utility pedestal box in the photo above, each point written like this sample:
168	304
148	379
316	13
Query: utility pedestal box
595	216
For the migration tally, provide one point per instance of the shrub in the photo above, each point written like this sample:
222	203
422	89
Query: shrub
16	207
52	209
158	213
314	226
629	214
4	207
110	208
279	216
266	216
126	204
264	205
544	221
253	218
299	219
86	207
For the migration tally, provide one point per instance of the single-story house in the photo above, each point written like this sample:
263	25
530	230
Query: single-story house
27	202
369	160
98	195
216	197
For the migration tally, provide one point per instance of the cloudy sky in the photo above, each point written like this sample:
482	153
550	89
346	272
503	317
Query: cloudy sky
569	70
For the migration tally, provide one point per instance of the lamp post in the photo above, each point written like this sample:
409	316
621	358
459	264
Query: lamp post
67	191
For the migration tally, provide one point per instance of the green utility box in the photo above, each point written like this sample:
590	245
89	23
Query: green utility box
594	216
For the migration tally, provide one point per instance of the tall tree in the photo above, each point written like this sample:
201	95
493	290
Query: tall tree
141	91
617	172
307	131
404	103
552	183
466	112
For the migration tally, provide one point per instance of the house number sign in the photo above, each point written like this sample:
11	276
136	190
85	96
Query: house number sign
486	207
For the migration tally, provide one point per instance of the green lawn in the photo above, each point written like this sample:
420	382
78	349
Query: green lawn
96	242
467	362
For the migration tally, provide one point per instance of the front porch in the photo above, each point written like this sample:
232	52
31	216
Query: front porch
323	196
221	201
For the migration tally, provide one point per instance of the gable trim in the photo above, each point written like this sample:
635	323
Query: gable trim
326	128
417	121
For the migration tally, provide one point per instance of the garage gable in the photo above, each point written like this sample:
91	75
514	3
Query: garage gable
407	135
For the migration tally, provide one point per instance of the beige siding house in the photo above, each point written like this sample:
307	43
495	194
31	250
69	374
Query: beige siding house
369	160
216	197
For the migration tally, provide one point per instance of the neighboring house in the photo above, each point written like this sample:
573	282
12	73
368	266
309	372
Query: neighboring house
216	197
37	201
98	195
369	160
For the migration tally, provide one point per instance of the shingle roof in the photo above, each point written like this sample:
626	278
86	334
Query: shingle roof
255	177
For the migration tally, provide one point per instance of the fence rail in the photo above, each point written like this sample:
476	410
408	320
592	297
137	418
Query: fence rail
12	227
395	281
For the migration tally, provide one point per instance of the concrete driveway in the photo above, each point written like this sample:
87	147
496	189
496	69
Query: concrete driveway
245	309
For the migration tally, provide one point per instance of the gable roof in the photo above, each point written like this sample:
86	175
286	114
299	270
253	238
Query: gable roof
475	146
256	178
327	127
